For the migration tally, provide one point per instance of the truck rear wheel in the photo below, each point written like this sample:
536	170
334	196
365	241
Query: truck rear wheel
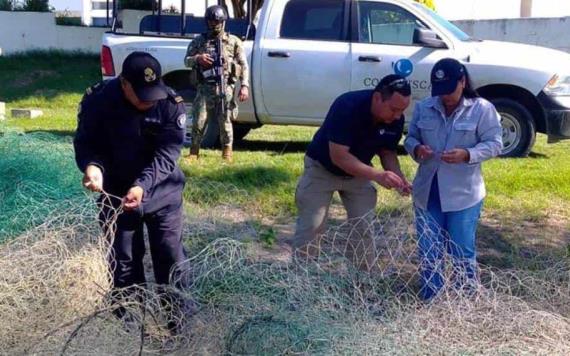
519	130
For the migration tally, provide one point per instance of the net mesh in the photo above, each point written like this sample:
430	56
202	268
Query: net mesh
353	291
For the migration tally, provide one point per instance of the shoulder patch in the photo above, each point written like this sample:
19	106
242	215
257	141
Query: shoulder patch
94	88
181	121
174	96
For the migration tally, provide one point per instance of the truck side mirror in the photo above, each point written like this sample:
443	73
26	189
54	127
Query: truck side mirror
428	38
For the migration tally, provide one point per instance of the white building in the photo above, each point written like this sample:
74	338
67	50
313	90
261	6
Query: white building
94	12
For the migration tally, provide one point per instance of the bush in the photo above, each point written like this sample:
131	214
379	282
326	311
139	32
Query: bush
68	21
136	4
65	18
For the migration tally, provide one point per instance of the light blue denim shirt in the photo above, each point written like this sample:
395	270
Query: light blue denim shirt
474	126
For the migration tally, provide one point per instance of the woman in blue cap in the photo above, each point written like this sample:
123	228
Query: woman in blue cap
450	134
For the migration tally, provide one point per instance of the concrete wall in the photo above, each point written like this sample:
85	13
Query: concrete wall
22	31
546	32
501	9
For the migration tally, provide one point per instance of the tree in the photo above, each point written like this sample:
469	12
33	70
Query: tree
136	4
428	3
6	5
36	5
172	10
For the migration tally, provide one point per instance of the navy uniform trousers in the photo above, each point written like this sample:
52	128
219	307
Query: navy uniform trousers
164	228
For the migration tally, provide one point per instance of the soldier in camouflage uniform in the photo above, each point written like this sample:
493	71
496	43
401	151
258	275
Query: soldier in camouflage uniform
199	58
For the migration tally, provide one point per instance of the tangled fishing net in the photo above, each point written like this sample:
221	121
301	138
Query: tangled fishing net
353	291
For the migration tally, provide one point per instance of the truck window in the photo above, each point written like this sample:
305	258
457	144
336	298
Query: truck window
313	20
385	23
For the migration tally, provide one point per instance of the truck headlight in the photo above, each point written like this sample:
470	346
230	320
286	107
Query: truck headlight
558	85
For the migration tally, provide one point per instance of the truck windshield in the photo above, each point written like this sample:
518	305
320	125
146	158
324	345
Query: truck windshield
460	35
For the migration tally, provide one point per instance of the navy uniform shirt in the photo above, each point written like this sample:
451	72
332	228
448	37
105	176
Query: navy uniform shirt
349	122
132	147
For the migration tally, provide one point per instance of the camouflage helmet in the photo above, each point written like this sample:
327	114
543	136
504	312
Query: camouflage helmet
216	13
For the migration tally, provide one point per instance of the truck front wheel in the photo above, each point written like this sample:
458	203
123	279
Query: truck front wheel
519	130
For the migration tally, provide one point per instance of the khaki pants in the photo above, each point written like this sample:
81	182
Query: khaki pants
313	198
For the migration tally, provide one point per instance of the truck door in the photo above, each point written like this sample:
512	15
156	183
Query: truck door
305	59
383	33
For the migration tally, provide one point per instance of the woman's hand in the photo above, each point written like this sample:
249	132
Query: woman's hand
456	155
423	152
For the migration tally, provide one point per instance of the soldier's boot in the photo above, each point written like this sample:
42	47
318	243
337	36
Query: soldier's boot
227	154
194	154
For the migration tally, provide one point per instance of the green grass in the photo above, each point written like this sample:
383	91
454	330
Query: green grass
270	160
51	81
534	186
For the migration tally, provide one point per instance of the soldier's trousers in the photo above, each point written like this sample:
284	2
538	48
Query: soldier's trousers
164	228
206	107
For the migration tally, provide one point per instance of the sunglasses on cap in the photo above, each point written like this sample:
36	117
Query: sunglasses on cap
399	83
401	86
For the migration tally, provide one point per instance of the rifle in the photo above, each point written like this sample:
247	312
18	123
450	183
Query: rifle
215	75
219	76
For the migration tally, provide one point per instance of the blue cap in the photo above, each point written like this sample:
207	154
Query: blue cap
143	71
445	75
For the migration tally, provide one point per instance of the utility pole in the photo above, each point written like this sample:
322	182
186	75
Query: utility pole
526	8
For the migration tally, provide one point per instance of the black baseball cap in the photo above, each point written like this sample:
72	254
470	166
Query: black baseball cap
445	75
143	71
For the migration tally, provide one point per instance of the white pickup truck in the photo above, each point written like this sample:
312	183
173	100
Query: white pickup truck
304	53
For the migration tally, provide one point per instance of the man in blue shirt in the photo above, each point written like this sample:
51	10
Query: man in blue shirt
129	137
358	126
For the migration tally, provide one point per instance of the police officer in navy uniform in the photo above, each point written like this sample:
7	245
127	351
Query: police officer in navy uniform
130	134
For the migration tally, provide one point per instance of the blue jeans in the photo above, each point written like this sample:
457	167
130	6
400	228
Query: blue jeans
441	233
